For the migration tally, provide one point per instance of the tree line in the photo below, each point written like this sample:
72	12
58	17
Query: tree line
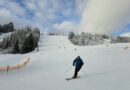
21	41
85	38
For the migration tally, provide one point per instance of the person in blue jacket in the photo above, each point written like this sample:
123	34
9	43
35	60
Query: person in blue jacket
78	63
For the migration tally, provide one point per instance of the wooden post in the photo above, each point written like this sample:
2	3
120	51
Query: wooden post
18	67
7	69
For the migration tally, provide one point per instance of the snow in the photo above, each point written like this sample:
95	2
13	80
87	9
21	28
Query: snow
2	35
107	67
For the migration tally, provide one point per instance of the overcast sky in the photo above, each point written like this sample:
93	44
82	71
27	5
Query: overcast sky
95	16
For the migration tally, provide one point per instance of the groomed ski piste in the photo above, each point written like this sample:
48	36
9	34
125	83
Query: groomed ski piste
107	67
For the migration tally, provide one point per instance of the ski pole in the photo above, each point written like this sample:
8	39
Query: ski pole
84	72
68	69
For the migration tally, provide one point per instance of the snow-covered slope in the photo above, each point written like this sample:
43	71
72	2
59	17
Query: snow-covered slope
107	67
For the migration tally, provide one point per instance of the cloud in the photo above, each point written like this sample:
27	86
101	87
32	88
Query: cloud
105	16
42	13
12	12
80	6
13	7
66	26
96	16
125	34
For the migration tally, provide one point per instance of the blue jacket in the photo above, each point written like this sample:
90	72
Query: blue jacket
78	63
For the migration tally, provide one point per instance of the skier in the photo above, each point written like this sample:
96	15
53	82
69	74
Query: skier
75	49
78	63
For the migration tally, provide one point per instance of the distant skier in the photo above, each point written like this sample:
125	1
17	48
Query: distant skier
37	47
75	49
78	63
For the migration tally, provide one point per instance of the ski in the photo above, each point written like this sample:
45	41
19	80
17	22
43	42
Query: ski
72	78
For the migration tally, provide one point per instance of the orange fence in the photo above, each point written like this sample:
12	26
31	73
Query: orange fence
15	67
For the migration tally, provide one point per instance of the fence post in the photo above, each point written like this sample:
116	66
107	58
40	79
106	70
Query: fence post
7	69
18	67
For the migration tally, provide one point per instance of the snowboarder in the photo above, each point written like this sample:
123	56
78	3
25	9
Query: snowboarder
78	63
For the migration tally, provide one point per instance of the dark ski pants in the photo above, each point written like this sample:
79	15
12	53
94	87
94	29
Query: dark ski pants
76	72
